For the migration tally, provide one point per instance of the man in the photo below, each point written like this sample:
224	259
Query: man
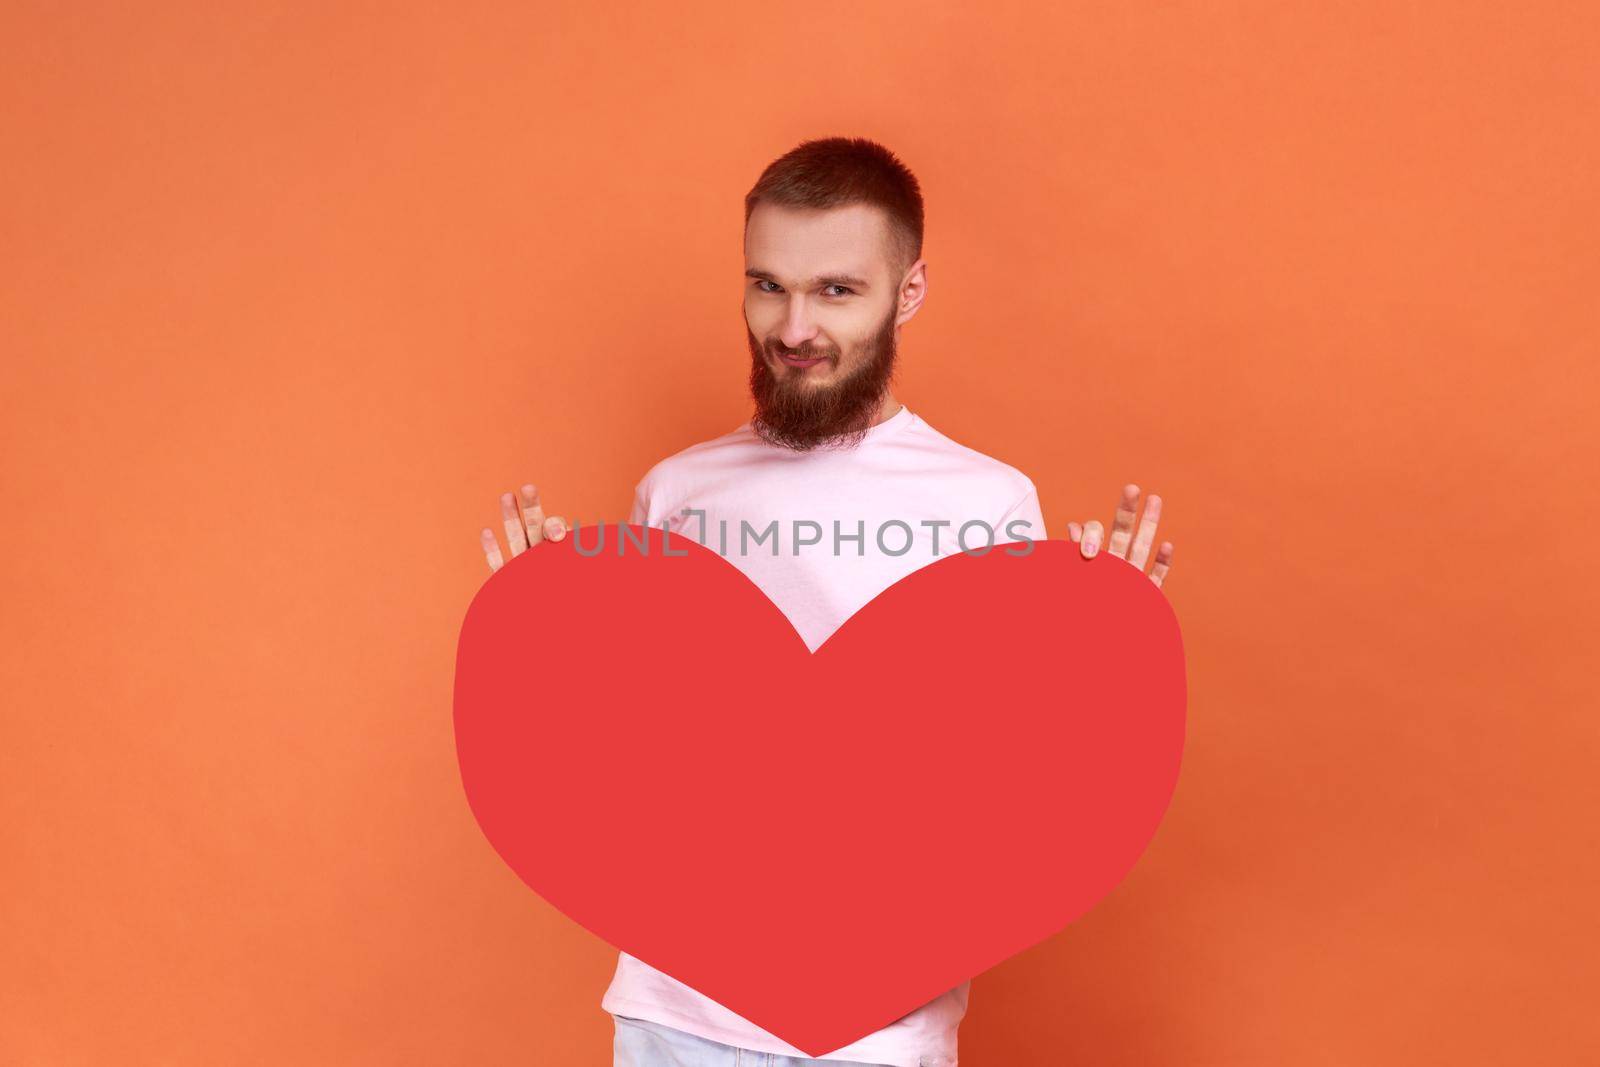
828	495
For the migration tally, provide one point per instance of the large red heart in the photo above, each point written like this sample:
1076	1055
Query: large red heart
968	764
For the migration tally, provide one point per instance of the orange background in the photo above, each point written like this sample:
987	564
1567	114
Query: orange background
290	296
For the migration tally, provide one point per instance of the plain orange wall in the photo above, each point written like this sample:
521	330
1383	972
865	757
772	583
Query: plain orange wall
290	296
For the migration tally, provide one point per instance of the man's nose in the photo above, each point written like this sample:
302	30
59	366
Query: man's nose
798	327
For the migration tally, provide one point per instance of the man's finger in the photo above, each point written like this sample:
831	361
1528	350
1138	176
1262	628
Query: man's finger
1075	532
491	550
1147	531
555	528
1122	525
1158	573
532	514
516	537
1093	536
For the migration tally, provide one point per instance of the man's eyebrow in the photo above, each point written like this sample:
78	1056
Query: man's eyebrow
821	279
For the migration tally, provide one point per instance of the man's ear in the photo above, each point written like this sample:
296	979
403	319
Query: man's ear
912	292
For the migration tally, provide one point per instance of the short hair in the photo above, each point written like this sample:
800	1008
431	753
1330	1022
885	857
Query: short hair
842	171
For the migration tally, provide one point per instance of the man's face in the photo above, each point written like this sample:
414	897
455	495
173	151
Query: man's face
820	309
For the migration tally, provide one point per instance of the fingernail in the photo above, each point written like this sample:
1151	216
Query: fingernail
1090	546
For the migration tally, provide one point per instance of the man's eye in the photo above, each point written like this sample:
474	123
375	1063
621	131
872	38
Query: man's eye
763	282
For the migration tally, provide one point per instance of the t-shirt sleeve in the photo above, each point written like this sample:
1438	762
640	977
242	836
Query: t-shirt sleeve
641	504
1024	520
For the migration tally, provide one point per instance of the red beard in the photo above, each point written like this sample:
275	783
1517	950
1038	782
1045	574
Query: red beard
794	415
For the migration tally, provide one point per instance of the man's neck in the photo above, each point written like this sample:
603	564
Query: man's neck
891	407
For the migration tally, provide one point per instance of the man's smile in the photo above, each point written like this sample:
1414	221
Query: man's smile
796	361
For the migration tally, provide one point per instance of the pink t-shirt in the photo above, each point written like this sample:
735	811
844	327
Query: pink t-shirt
822	533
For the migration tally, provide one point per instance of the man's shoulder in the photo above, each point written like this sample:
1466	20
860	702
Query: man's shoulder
710	452
969	461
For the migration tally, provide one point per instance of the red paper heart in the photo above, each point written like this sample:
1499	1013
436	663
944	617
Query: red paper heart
971	762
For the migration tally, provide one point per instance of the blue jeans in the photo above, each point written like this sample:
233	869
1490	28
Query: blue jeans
642	1043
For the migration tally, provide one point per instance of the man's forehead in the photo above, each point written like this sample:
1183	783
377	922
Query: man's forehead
810	246
846	222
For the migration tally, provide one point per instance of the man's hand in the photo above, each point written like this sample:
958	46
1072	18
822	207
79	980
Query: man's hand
525	526
1089	536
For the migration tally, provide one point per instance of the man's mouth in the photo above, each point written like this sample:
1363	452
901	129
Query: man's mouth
796	361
